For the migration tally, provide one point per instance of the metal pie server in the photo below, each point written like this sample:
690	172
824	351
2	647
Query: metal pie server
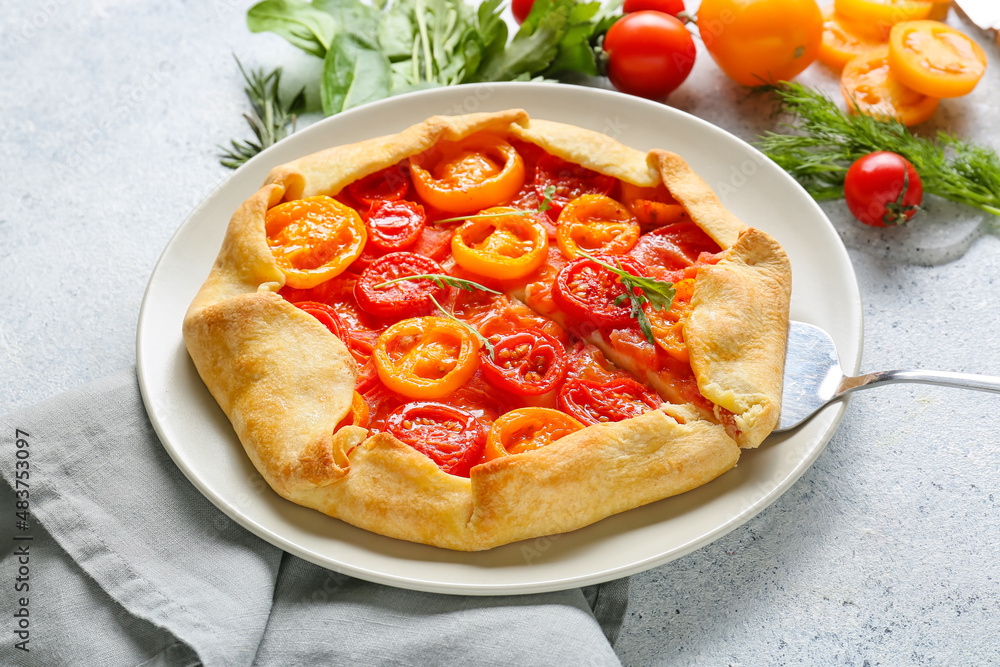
814	379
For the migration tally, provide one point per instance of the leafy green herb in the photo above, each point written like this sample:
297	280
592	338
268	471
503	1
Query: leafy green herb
482	339
640	290
374	51
441	280
547	194
270	119
828	140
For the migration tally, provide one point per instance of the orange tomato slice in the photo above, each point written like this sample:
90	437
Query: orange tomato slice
527	429
503	247
359	414
467	176
596	224
935	59
668	325
871	88
879	16
842	41
314	239
426	357
652	206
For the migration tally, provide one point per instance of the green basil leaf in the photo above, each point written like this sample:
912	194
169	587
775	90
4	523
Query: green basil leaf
354	73
301	23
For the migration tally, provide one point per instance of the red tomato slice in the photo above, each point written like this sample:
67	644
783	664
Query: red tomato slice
327	315
394	225
527	363
600	402
586	292
403	299
449	436
570	181
674	247
390	184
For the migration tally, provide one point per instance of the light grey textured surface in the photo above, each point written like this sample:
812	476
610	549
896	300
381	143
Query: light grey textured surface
883	553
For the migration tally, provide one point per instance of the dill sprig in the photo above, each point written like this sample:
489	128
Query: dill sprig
826	141
270	119
640	290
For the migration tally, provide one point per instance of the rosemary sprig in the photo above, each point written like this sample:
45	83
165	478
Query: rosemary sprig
825	141
441	280
659	294
544	205
482	339
270	119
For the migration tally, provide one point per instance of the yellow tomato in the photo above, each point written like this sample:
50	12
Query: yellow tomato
506	246
761	41
526	429
652	206
596	224
871	88
881	15
466	176
668	325
841	41
314	239
426	357
359	414
934	59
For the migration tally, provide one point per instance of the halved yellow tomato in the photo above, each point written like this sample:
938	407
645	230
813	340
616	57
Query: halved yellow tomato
503	247
359	414
596	224
526	429
426	357
469	175
870	88
652	206
842	42
935	59
668	325
314	239
880	15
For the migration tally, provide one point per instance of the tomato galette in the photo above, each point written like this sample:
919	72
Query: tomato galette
487	328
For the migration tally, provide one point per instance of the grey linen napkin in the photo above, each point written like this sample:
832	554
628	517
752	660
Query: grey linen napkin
121	561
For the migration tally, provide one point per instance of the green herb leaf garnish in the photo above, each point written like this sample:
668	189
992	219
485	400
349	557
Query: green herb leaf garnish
441	280
482	339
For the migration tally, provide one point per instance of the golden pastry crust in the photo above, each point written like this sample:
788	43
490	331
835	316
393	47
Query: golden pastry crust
286	384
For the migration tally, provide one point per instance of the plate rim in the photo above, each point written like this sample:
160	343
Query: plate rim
525	587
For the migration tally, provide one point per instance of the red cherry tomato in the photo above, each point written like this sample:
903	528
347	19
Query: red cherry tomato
449	436
403	299
527	363
362	350
673	247
569	180
520	9
390	184
649	54
672	7
394	225
883	189
586	292
599	402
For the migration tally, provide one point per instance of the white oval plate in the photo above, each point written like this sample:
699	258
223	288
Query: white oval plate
201	441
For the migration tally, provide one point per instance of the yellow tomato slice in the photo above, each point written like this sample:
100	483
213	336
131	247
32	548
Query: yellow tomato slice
871	88
359	414
426	357
503	247
880	15
668	325
314	239
467	176
596	224
935	59
526	429
842	42
652	206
